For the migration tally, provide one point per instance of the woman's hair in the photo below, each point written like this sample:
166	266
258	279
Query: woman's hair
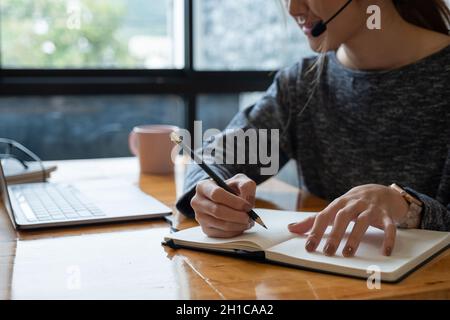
429	14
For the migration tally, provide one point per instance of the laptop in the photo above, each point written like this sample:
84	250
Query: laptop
45	204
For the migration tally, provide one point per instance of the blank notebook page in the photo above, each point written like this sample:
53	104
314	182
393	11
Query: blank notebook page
277	232
410	247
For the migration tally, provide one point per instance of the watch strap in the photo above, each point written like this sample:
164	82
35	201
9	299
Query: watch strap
414	214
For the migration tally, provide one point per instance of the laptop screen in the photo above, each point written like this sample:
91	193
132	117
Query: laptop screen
4	195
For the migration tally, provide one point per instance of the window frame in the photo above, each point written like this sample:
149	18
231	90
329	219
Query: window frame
187	82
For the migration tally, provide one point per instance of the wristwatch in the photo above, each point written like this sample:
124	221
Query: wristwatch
414	215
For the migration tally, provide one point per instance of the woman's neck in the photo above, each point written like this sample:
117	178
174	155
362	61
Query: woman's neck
397	44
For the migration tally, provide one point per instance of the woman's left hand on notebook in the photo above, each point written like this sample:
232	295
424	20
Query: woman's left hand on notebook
367	205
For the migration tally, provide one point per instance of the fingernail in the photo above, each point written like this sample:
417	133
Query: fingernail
310	246
291	226
329	249
388	251
348	251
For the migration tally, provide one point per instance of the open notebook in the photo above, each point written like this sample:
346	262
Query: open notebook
277	244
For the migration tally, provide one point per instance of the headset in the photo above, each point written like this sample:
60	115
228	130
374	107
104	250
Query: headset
320	27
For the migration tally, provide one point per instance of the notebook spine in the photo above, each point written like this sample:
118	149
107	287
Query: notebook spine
171	244
253	255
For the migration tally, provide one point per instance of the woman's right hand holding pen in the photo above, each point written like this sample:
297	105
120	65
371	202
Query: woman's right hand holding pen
220	213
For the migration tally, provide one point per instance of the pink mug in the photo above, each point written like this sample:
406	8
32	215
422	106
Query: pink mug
152	145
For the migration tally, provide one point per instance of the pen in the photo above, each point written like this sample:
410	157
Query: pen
179	141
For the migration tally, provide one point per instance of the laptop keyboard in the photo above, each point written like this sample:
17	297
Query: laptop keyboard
50	202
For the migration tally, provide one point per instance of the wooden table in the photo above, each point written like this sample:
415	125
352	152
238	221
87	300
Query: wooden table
127	260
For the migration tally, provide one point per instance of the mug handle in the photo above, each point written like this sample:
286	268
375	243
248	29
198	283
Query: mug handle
133	143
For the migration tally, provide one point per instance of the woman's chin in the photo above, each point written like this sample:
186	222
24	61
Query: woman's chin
315	45
320	44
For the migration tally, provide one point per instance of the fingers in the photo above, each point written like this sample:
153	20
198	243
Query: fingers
216	233
303	226
245	186
207	213
223	225
218	195
341	221
358	231
219	211
390	232
321	223
362	224
367	205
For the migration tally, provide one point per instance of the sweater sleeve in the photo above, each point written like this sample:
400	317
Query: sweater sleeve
271	114
436	210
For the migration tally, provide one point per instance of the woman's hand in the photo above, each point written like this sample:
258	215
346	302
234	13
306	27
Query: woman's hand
220	213
367	205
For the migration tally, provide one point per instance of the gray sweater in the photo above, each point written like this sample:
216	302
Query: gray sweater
360	127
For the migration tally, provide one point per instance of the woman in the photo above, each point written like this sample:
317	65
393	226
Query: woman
373	110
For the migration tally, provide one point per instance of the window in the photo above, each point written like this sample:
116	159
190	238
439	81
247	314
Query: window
245	35
92	34
77	75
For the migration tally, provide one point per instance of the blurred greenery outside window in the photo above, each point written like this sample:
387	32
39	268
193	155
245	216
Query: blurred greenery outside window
144	34
91	34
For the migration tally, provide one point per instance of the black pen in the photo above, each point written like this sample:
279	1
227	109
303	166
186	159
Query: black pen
179	141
